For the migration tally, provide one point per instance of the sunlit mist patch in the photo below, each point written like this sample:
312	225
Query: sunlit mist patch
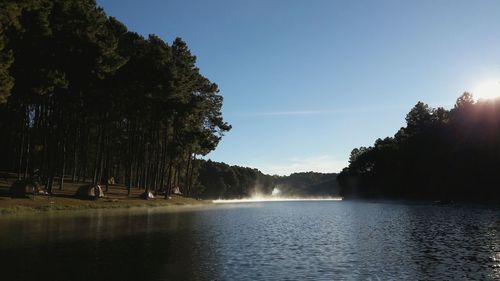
274	197
276	192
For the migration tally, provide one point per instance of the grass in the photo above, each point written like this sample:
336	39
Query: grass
64	200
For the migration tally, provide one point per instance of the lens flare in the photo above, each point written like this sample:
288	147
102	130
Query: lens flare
487	90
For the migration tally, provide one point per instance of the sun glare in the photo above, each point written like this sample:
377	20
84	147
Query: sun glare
487	90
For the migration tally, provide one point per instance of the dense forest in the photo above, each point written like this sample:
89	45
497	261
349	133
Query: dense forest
219	180
84	99
440	155
308	184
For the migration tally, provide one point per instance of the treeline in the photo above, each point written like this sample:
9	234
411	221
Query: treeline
441	155
308	184
83	97
220	181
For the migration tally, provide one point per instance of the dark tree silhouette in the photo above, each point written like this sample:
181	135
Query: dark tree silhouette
83	98
219	180
440	154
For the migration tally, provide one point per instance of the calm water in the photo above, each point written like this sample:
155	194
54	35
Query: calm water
261	241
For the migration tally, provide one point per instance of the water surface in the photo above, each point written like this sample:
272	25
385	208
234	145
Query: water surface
257	241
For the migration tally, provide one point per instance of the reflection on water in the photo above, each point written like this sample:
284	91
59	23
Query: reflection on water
257	241
273	199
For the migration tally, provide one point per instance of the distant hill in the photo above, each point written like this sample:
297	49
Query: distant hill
308	184
220	180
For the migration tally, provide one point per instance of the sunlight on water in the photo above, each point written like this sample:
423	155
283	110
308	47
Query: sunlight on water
273	199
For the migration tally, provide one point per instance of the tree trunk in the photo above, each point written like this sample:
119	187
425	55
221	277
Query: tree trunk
75	156
28	154
190	182
22	145
186	180
169	179
107	167
63	166
97	164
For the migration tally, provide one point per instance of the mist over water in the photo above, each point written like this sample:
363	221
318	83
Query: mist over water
275	196
276	192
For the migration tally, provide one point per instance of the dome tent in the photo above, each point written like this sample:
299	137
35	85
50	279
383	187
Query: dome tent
90	192
177	191
147	195
23	188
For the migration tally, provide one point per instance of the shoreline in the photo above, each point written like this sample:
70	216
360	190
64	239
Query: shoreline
46	204
65	200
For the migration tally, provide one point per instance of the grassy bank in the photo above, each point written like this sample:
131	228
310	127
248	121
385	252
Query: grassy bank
64	200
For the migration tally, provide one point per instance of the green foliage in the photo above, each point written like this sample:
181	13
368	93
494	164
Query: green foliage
9	20
83	95
440	154
308	184
221	181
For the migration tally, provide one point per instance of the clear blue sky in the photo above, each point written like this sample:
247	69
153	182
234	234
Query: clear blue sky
306	81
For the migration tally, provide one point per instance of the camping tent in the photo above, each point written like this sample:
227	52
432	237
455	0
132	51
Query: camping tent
147	195
90	192
176	190
23	188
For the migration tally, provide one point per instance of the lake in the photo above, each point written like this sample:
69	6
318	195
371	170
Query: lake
345	240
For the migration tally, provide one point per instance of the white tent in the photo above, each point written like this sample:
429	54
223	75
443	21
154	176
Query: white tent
176	190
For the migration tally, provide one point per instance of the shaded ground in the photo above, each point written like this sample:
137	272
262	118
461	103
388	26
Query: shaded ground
116	197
